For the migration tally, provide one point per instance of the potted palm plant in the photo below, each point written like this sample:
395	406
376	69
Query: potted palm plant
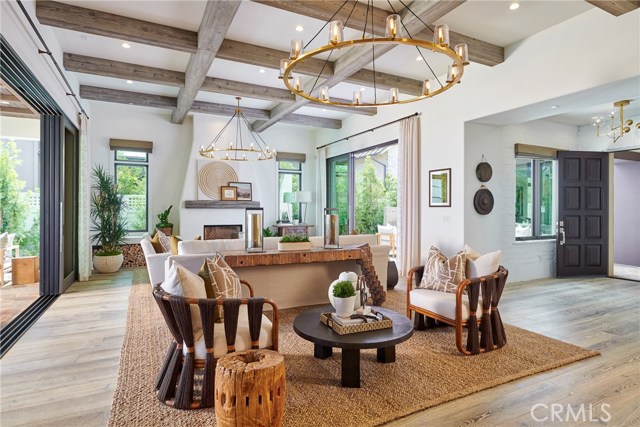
164	225
107	219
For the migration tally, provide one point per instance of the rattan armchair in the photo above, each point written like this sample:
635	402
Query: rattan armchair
187	376
477	310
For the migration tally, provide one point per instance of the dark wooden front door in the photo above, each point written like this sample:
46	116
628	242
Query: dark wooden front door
583	228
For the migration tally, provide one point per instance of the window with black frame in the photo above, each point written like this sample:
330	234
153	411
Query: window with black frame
289	182
132	173
536	198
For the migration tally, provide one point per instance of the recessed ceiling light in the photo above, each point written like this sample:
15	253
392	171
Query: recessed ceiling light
514	5
418	58
125	45
5	102
299	28
261	71
324	109
554	106
130	82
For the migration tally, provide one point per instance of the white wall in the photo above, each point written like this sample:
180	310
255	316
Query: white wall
262	175
626	211
167	163
564	59
525	260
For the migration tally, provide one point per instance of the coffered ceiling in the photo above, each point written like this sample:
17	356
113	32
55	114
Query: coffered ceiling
198	55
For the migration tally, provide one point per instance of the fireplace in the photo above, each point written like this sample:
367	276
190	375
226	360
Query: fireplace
212	232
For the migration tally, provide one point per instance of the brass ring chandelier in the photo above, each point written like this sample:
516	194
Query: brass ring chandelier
235	149
393	36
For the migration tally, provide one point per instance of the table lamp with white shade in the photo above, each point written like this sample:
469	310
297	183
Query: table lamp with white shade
303	197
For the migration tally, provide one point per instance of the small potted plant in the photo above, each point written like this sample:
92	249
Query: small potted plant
164	225
108	223
294	242
344	298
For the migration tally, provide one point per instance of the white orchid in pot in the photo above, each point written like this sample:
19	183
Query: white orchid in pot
107	218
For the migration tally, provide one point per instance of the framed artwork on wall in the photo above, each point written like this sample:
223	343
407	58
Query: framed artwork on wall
243	190
440	188
228	193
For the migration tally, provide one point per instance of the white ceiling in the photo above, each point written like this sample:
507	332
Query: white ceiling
491	21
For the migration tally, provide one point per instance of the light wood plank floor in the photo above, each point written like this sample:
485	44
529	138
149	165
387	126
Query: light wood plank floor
63	371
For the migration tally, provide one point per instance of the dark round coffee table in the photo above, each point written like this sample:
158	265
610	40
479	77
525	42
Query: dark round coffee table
307	324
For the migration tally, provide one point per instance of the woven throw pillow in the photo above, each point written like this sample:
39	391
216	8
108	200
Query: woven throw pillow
182	282
442	274
165	241
225	281
481	265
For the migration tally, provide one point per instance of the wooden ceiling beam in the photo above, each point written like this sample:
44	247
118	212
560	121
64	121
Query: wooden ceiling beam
216	20
92	21
142	73
7	97
168	102
617	7
22	113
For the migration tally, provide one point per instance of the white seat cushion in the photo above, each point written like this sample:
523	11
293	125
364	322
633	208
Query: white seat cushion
442	303
243	338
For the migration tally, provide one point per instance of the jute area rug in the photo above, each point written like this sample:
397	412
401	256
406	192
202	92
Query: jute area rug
428	371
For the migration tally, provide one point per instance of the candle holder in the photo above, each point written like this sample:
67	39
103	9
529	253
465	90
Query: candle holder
331	228
253	226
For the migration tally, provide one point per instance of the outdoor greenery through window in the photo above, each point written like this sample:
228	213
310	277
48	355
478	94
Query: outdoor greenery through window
20	189
132	171
535	198
289	181
363	186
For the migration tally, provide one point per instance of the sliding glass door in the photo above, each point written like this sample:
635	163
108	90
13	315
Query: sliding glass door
363	186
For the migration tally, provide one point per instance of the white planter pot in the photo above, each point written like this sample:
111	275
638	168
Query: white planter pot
294	246
344	306
108	264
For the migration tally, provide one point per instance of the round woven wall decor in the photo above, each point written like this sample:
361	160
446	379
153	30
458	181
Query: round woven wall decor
214	175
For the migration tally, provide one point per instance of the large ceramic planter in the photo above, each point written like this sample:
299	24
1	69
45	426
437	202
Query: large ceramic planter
294	246
108	264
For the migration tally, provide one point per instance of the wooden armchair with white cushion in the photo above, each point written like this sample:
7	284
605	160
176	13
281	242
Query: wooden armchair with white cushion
203	330
472	303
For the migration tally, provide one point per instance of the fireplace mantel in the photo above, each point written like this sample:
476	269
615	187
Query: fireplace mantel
220	204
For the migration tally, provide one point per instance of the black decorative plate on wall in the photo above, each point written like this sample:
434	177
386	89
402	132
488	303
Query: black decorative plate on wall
483	201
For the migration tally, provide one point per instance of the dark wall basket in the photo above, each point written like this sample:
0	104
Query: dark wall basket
483	201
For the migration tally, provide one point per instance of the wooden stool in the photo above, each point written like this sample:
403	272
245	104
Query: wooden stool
249	389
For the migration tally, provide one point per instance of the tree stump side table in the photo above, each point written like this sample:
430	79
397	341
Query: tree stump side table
250	389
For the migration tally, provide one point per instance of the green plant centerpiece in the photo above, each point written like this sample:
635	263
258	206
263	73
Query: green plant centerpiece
107	218
344	298
164	225
294	242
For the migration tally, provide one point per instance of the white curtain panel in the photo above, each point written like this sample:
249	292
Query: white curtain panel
321	186
84	191
408	245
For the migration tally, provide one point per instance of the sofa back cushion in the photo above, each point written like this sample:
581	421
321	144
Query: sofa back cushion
190	247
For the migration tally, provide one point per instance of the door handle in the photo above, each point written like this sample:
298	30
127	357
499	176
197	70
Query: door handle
562	240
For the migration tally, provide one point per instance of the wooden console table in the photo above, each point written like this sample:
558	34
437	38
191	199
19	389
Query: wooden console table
360	254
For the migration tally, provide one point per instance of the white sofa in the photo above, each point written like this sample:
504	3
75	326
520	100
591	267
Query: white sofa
155	261
289	285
